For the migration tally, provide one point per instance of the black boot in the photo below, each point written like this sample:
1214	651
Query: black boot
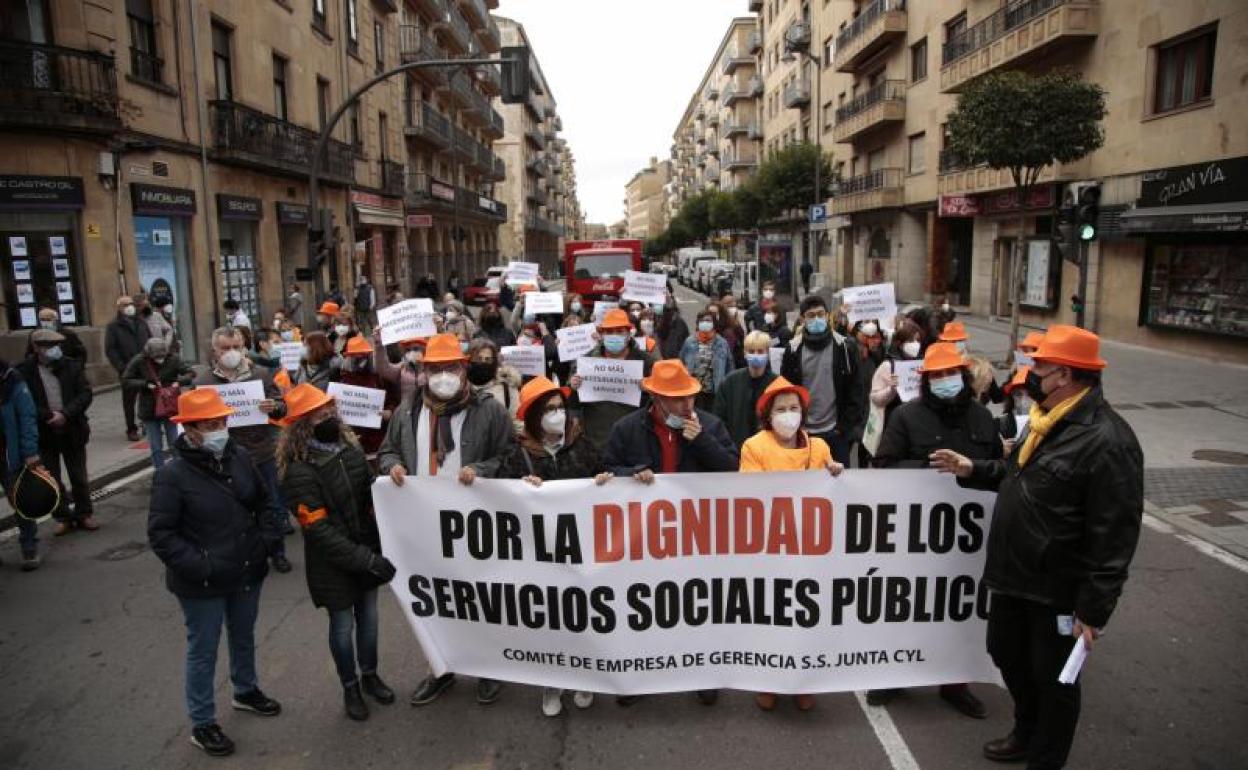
377	689
353	699
1007	749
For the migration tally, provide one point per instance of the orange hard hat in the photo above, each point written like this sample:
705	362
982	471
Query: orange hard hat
615	319
282	380
414	342
301	400
778	386
954	331
358	346
1070	346
444	349
1032	340
201	404
941	356
535	389
670	378
328	308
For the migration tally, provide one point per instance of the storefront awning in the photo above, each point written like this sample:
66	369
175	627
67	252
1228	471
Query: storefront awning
1203	218
376	215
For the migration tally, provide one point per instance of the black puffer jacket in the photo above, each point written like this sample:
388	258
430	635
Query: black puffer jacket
340	543
927	423
1066	524
211	522
634	447
576	459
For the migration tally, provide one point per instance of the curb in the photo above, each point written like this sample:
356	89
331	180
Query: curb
97	483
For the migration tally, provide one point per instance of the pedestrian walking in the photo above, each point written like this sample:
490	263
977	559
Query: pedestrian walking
159	377
294	304
708	357
806	271
669	435
552	447
326	480
62	396
1065	525
212	523
782	445
450	430
736	399
19	422
365	303
320	364
123	340
598	417
228	365
825	362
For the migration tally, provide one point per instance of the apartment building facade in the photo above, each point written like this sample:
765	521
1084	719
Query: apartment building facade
645	200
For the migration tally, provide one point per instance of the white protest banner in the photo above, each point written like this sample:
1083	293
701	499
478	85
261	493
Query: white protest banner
543	302
788	583
244	398
406	319
526	359
575	341
777	359
521	272
610	379
875	302
291	354
601	308
358	406
909	380
644	287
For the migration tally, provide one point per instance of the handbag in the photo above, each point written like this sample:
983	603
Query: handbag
165	397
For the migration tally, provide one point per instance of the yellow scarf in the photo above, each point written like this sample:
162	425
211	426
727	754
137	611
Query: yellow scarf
1041	422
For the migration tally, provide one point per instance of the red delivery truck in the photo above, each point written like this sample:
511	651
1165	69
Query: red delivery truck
595	269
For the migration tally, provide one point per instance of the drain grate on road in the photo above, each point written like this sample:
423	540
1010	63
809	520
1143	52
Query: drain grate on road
122	552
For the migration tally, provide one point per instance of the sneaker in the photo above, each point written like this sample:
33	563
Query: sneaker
430	688
257	703
552	701
488	691
582	699
353	699
377	689
30	562
281	564
707	697
214	742
881	697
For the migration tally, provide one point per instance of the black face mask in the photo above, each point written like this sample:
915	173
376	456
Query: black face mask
1034	385
482	372
491	320
327	431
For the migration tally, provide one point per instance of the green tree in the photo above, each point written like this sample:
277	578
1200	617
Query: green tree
1024	123
786	180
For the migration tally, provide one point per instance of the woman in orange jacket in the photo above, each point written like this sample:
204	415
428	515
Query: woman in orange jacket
782	445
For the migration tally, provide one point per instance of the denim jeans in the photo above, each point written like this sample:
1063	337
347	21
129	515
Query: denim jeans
27	536
160	437
268	472
362	618
204	618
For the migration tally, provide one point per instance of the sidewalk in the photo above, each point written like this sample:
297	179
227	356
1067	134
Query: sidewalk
109	455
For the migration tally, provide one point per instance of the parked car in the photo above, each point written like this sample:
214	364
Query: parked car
481	291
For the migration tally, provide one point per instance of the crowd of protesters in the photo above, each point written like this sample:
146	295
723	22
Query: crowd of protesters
759	390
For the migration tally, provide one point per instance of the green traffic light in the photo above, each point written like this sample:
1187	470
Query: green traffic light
1087	232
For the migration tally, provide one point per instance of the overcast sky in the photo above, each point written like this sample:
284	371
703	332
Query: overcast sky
622	74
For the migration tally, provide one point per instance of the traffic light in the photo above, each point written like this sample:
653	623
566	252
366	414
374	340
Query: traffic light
515	74
323	236
1065	232
1089	207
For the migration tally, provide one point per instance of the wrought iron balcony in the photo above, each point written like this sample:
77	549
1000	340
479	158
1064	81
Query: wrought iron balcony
393	177
416	44
882	103
252	138
880	23
1019	30
465	145
476	10
734	57
535	135
490	80
424	189
754	87
736	128
797	94
950	161
489	35
452	26
754	43
48	86
425	122
711	93
877	189
731	94
740	160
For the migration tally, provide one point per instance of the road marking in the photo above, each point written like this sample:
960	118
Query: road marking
1214	552
895	747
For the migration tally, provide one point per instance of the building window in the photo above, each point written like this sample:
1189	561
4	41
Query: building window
918	61
827	116
353	25
322	101
918	150
379	47
144	63
829	46
1184	71
318	14
357	138
222	66
955	26
383	128
279	87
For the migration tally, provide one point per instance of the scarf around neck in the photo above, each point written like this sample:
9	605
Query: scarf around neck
1040	423
443	411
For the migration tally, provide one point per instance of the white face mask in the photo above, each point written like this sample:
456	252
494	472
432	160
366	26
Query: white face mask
869	330
910	349
786	424
451	315
128	310
554	422
342	329
230	359
412	356
47	325
167	309
769	293
769	318
444	385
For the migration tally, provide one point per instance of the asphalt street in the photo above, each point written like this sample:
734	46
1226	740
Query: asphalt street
91	656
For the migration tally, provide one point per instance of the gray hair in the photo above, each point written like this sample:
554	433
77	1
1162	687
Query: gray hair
224	331
156	346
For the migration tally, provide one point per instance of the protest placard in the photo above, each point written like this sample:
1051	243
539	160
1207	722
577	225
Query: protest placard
291	354
777	358
610	379
244	398
543	302
644	287
875	302
358	406
521	272
526	359
909	380
575	341
406	319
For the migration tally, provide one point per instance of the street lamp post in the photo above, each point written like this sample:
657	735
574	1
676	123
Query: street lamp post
792	49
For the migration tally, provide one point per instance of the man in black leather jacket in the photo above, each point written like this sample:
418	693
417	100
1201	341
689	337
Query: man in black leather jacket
1069	502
